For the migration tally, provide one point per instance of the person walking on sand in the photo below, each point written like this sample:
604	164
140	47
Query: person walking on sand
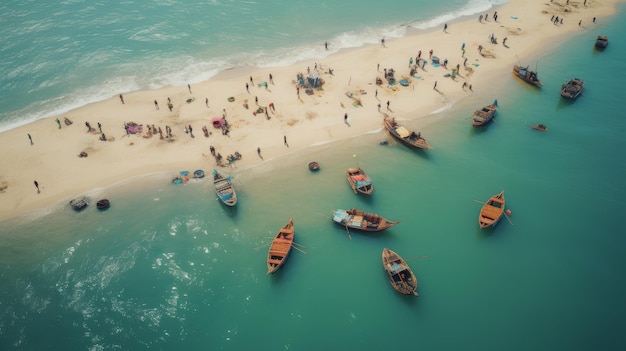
345	118
382	42
271	79
251	81
122	99
189	87
156	104
326	45
88	127
285	140
206	102
258	151
30	138
388	102
100	127
435	86
430	54
37	186
247	88
58	122
445	27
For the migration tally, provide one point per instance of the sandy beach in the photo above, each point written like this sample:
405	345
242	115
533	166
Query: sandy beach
299	120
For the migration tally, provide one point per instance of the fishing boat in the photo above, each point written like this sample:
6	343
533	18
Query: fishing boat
79	203
492	211
359	181
224	189
572	89
483	116
357	219
602	41
280	247
527	75
401	277
539	127
407	137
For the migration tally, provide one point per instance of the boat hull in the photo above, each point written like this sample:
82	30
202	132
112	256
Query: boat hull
359	181
399	273
492	211
280	247
224	189
360	220
404	136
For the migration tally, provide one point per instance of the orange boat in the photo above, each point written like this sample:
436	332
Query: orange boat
280	247
400	274
492	211
540	127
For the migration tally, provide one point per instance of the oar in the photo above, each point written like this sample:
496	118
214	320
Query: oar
258	247
300	245
416	258
295	247
348	231
507	218
480	202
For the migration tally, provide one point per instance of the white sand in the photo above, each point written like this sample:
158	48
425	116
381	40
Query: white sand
311	119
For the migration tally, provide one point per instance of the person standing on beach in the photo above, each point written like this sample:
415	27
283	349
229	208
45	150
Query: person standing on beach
258	151
285	140
206	102
326	45
247	88
58	122
271	79
37	186
30	138
445	27
156	104
430	54
388	102
382	41
100	127
122	99
189	87
435	86
88	127
465	62
251	81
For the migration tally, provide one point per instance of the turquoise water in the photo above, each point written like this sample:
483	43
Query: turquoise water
61	55
167	267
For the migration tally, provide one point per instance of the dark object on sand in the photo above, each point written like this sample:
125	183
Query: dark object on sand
79	203
572	89
314	166
103	204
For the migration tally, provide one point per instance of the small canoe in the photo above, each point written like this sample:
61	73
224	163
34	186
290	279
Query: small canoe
79	203
540	127
405	136
400	274
103	204
359	181
483	116
361	220
224	189
280	247
492	211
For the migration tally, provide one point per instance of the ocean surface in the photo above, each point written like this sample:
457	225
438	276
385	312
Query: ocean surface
167	267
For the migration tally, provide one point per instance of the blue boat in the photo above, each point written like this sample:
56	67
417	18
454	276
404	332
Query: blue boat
224	189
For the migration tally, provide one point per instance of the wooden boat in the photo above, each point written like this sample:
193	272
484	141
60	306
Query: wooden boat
103	204
359	181
357	219
224	189
407	137
280	247
602	41
492	211
401	277
540	127
527	75
572	89
314	166
483	116
79	203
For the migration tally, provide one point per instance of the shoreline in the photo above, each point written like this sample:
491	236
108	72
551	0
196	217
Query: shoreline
312	120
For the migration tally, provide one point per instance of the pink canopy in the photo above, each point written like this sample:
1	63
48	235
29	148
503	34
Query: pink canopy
218	122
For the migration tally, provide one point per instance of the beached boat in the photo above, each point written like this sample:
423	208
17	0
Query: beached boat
602	41
359	181
357	219
492	211
572	89
401	277
280	247
314	166
527	75
79	203
409	138
540	127
224	189
483	116
103	204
